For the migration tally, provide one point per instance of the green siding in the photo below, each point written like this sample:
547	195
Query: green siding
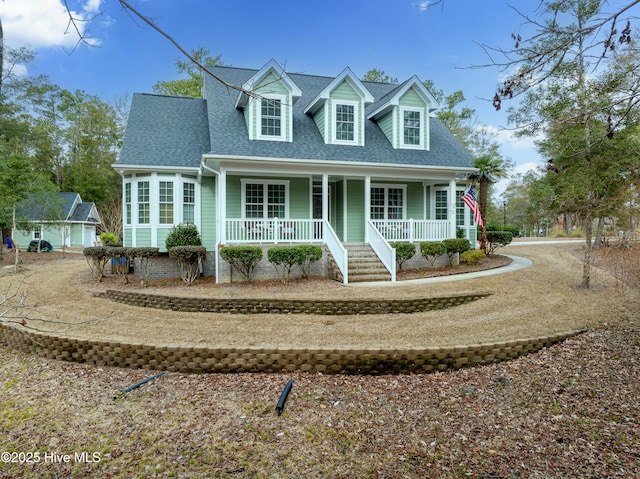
161	235
299	198
271	84
414	201
208	212
411	98
345	91
339	210
355	211
234	199
386	125
428	195
127	237
143	237
319	119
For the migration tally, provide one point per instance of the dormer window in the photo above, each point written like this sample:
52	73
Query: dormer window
346	122
271	118
412	131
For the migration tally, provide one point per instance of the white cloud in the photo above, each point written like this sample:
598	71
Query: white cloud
44	23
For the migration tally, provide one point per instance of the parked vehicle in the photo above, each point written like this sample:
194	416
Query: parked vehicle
45	246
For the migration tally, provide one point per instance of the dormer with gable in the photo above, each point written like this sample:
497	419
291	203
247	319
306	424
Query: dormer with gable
403	115
339	110
268	112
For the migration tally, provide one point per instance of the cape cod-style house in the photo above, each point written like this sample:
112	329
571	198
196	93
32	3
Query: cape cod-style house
301	159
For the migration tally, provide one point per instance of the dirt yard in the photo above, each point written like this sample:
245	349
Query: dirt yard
569	411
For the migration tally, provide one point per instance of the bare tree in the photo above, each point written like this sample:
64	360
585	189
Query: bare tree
556	42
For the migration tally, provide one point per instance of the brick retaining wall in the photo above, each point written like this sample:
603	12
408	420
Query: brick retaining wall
227	360
284	306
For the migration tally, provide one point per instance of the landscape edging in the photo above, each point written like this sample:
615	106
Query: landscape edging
189	359
288	306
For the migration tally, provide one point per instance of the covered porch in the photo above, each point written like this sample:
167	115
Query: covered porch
261	203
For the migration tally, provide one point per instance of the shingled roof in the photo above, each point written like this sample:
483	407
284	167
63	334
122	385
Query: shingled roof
176	131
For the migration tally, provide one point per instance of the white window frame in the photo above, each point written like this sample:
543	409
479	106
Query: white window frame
356	122
264	182
386	188
128	215
433	203
284	120
184	183
168	201
140	203
421	145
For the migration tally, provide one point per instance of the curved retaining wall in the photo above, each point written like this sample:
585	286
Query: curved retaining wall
284	306
227	360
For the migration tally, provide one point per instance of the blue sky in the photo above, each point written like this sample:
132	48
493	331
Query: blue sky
321	38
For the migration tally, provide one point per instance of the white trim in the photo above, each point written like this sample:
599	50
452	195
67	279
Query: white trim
345	75
413	82
285	118
356	122
274	67
262	181
386	187
401	143
322	164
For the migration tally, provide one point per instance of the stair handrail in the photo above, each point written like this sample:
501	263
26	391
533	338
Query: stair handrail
382	249
338	251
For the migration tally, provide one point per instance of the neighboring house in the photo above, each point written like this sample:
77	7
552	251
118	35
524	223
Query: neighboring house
332	160
66	220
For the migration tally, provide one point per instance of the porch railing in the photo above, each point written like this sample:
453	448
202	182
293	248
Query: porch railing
413	230
382	248
273	230
339	253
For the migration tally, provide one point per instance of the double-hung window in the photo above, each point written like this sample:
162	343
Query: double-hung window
265	199
188	202
345	129
143	203
441	205
127	203
387	203
271	125
412	128
166	202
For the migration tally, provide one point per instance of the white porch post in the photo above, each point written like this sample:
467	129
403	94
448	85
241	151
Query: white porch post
325	197
367	206
222	206
451	210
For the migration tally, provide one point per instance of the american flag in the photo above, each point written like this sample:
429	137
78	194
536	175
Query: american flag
469	199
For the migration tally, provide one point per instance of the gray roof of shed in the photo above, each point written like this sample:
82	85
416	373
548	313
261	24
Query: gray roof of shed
174	131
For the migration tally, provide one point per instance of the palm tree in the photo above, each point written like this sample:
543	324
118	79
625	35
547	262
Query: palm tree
490	169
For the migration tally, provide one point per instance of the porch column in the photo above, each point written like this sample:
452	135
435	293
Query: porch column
451	210
222	206
325	197
367	206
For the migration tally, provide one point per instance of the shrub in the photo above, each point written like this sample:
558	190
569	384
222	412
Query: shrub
183	235
109	239
97	258
243	259
456	246
144	256
473	256
404	252
497	239
312	253
432	250
189	259
285	257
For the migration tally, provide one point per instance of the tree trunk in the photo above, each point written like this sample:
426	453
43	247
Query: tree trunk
599	234
586	264
484	193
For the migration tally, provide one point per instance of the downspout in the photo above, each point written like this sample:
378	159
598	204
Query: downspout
217	173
